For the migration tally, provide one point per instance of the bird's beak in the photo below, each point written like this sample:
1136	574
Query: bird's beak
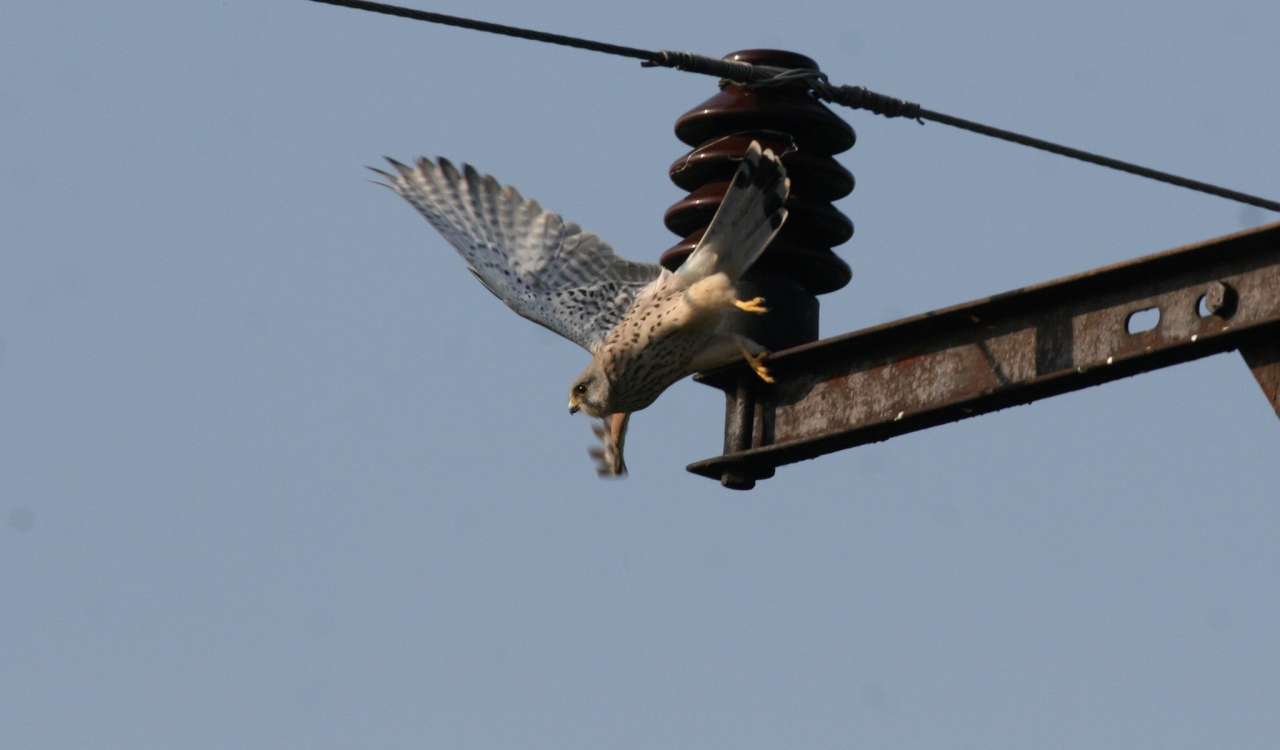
573	407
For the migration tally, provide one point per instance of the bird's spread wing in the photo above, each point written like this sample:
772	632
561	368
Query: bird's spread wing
749	216
545	268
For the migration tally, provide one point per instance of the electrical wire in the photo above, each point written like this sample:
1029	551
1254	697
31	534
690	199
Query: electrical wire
493	28
855	97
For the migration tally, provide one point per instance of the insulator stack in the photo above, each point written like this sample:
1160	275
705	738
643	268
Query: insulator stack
799	264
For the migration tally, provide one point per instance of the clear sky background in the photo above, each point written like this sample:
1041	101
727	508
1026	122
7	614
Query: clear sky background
276	473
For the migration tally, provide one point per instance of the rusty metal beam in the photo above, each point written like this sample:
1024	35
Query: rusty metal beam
1006	350
1263	358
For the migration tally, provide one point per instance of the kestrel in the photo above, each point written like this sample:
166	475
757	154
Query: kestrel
645	326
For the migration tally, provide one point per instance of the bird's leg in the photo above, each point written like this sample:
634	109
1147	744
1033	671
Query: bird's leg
725	349
612	432
756	360
755	305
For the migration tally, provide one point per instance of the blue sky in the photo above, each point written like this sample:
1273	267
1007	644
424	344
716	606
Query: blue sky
276	473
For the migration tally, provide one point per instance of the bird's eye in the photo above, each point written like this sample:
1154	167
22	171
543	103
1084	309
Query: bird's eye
580	388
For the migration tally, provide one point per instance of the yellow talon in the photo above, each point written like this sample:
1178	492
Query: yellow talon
752	306
757	365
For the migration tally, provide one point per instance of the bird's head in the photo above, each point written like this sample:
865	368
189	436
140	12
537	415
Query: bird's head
590	391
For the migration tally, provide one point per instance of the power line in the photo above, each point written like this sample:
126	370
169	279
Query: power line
1102	161
494	28
855	97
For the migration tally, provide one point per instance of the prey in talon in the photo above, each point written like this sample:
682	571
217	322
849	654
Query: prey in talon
644	326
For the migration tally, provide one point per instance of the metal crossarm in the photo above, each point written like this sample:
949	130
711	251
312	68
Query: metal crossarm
1006	350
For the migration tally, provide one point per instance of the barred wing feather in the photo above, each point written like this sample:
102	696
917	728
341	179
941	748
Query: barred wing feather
544	268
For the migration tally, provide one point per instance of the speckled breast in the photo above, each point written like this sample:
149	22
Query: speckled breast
652	348
665	360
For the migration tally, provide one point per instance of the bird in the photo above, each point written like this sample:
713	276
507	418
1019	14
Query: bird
644	326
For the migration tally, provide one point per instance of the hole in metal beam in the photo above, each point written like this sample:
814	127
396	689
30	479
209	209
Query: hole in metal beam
1141	321
1202	306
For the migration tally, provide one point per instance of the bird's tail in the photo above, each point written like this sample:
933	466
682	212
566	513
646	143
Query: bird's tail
747	220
